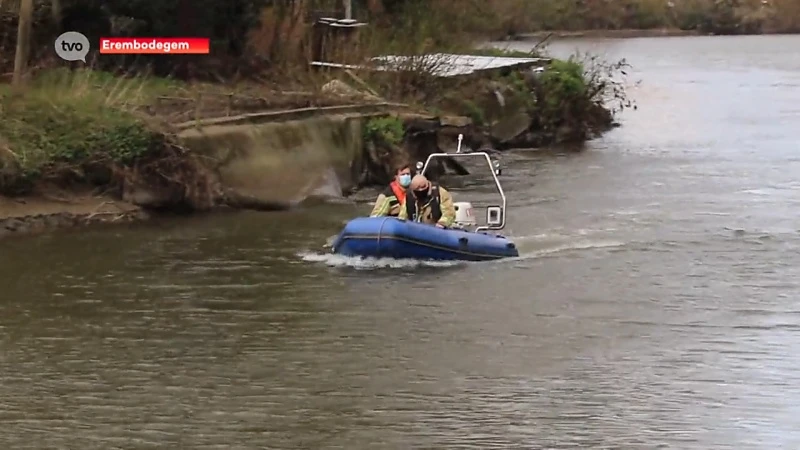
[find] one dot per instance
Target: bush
(385, 130)
(561, 85)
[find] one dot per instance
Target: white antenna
(460, 138)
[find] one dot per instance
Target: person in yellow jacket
(428, 203)
(389, 201)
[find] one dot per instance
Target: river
(653, 305)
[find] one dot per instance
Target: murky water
(655, 304)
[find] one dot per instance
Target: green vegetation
(386, 130)
(66, 122)
(472, 110)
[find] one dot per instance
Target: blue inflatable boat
(389, 237)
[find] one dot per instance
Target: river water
(654, 305)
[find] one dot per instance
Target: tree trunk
(55, 6)
(23, 42)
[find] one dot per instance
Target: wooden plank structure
(444, 65)
(336, 39)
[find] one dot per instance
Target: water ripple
(653, 306)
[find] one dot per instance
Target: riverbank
(636, 18)
(604, 34)
(620, 34)
(83, 147)
(40, 213)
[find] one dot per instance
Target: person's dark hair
(402, 166)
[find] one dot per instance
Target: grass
(63, 119)
(92, 129)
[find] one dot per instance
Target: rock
(338, 87)
(511, 126)
(424, 135)
(341, 89)
(455, 121)
(414, 125)
(528, 139)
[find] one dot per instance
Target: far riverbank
(602, 34)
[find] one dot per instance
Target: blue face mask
(405, 180)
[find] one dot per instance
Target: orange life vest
(398, 191)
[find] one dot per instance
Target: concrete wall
(268, 158)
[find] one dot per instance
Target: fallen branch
(361, 82)
(102, 213)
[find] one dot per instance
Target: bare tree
(23, 42)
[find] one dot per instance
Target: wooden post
(348, 9)
(23, 42)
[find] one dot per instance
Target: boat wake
(539, 249)
(355, 262)
(531, 247)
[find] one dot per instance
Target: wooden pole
(348, 9)
(23, 42)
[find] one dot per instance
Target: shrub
(387, 130)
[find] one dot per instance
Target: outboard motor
(465, 215)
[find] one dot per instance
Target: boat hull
(389, 237)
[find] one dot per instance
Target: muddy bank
(266, 162)
(42, 212)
